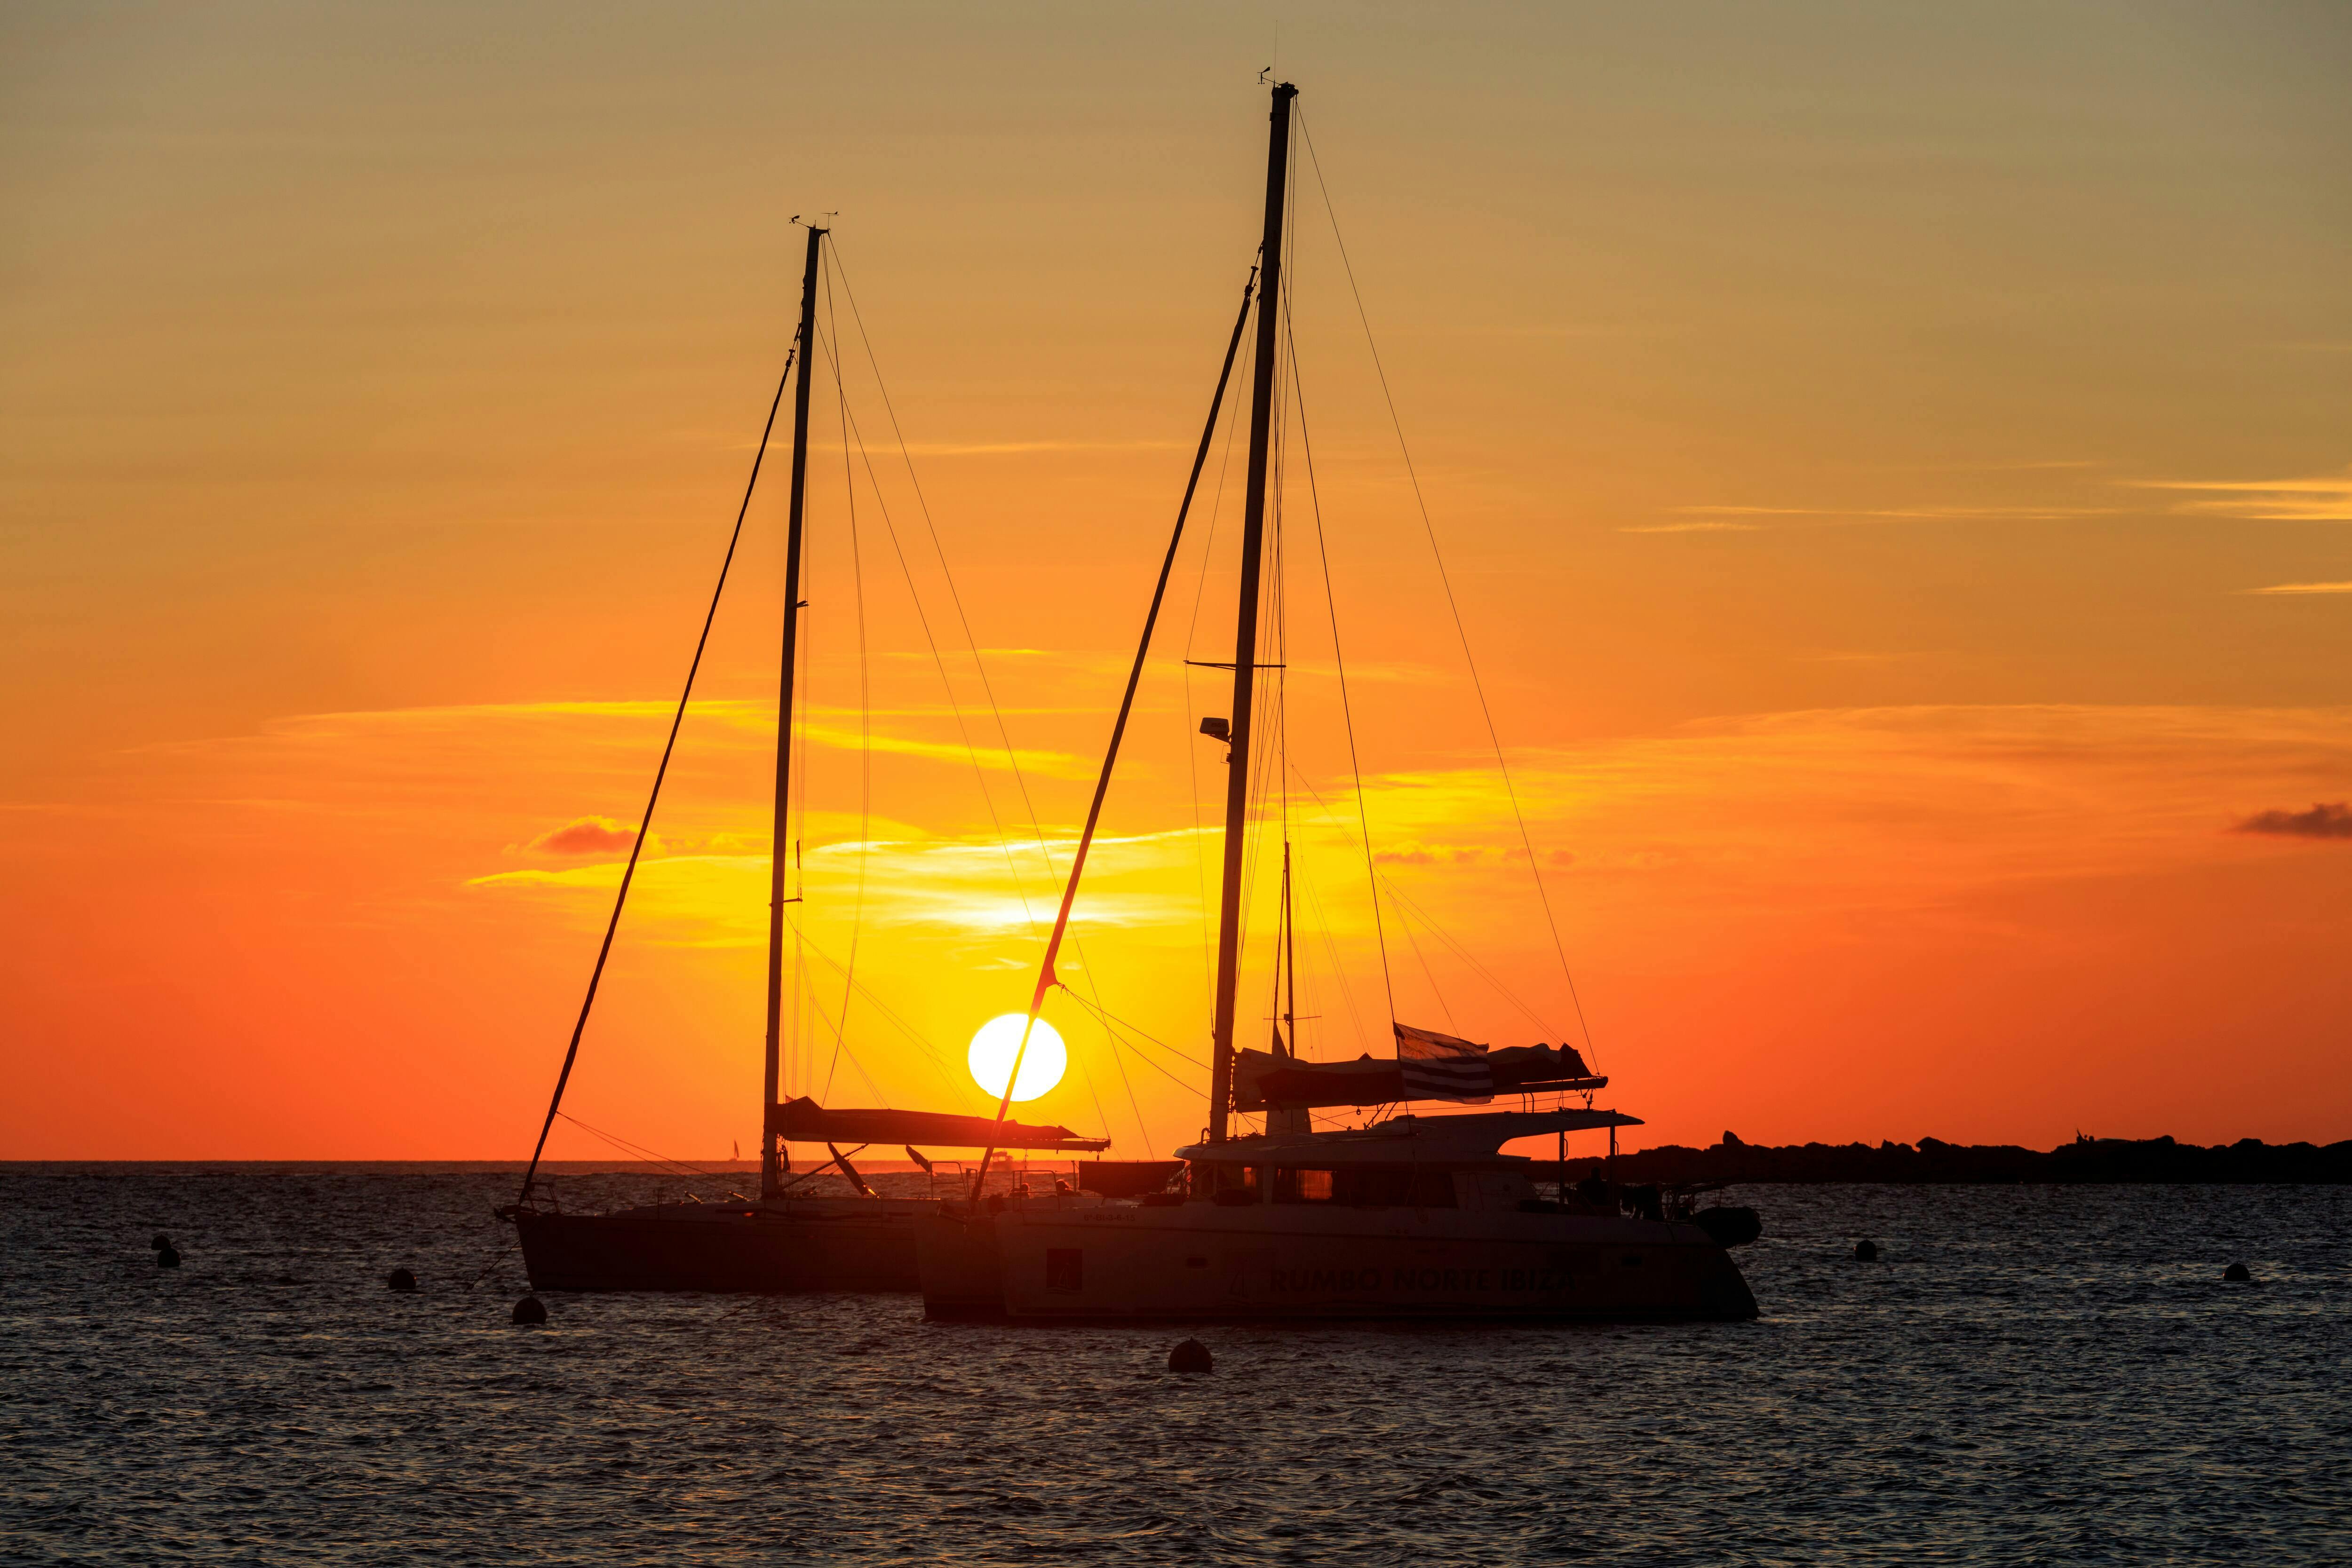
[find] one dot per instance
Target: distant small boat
(1411, 1217)
(780, 1240)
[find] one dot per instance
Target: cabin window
(1394, 1187)
(1303, 1187)
(1226, 1184)
(1235, 1185)
(1066, 1270)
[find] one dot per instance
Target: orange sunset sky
(1894, 463)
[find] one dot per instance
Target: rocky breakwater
(1933, 1160)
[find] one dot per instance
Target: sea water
(2027, 1374)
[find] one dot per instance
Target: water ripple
(2030, 1374)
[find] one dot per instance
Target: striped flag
(1440, 1067)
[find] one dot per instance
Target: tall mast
(772, 1155)
(1237, 760)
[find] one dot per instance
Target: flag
(1439, 1067)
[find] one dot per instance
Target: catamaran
(1412, 1214)
(787, 1238)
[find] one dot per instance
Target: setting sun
(992, 1049)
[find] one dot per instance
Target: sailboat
(786, 1237)
(1412, 1216)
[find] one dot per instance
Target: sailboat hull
(1201, 1260)
(848, 1244)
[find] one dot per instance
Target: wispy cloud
(585, 836)
(1051, 764)
(1936, 513)
(2299, 588)
(720, 900)
(1857, 656)
(1988, 465)
(1706, 528)
(1886, 808)
(1015, 448)
(2325, 820)
(754, 719)
(2321, 498)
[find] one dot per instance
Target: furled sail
(804, 1121)
(1262, 1078)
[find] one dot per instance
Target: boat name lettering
(1452, 1282)
(1327, 1281)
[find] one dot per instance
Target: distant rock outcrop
(1934, 1160)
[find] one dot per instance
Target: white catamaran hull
(1206, 1261)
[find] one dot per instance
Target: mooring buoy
(400, 1280)
(2238, 1273)
(529, 1309)
(1190, 1357)
(1865, 1252)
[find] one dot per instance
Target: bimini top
(1403, 1140)
(804, 1121)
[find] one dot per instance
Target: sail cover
(1262, 1078)
(804, 1121)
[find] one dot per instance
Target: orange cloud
(2321, 498)
(585, 836)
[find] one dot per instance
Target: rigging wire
(930, 641)
(1140, 1033)
(931, 1054)
(639, 1151)
(646, 822)
(1338, 975)
(1339, 660)
(1510, 791)
(1046, 978)
(964, 730)
(1407, 907)
(1266, 739)
(804, 1038)
(840, 1038)
(955, 597)
(979, 665)
(864, 699)
(1191, 753)
(1106, 1020)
